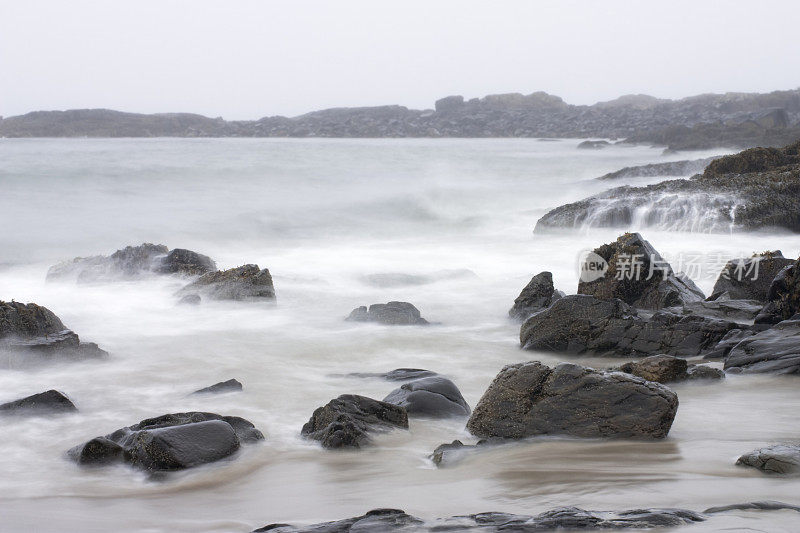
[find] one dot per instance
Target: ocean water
(323, 215)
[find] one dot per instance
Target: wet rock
(433, 397)
(731, 339)
(246, 282)
(766, 505)
(593, 145)
(671, 168)
(561, 518)
(660, 368)
(182, 261)
(538, 294)
(398, 374)
(779, 459)
(445, 453)
(579, 324)
(346, 421)
(49, 402)
(704, 372)
(232, 385)
(776, 350)
(750, 278)
(784, 293)
(723, 307)
(169, 442)
(639, 276)
(190, 299)
(35, 331)
(530, 399)
(391, 314)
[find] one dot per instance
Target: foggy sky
(249, 59)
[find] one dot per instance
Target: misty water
(323, 215)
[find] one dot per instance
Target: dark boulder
(529, 399)
(538, 294)
(375, 521)
(182, 261)
(169, 442)
(669, 369)
(704, 372)
(391, 314)
(33, 330)
(724, 308)
(775, 350)
(593, 145)
(750, 278)
(579, 324)
(435, 397)
(346, 421)
(639, 276)
(232, 385)
(246, 282)
(49, 402)
(784, 292)
(779, 459)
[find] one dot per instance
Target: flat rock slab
(530, 399)
(232, 385)
(49, 402)
(779, 459)
(347, 421)
(390, 314)
(776, 350)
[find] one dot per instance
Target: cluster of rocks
(756, 188)
(731, 119)
(247, 282)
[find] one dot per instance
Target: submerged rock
(33, 330)
(776, 350)
(594, 145)
(779, 459)
(246, 282)
(390, 314)
(538, 294)
(561, 518)
(530, 399)
(398, 374)
(346, 421)
(671, 168)
(750, 278)
(169, 442)
(399, 279)
(435, 397)
(48, 402)
(580, 324)
(639, 276)
(232, 385)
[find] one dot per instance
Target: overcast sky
(248, 59)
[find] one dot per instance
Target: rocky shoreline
(734, 120)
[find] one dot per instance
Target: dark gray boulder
(48, 402)
(390, 314)
(246, 282)
(169, 442)
(579, 324)
(750, 278)
(593, 145)
(433, 397)
(182, 261)
(775, 350)
(669, 369)
(639, 276)
(704, 372)
(35, 331)
(530, 399)
(538, 294)
(232, 385)
(779, 459)
(346, 421)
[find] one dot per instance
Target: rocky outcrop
(639, 276)
(169, 442)
(729, 195)
(779, 459)
(671, 168)
(232, 385)
(585, 325)
(131, 262)
(775, 350)
(731, 119)
(390, 314)
(724, 308)
(750, 278)
(784, 294)
(432, 397)
(562, 518)
(33, 330)
(593, 145)
(347, 421)
(48, 402)
(669, 369)
(538, 294)
(530, 399)
(247, 282)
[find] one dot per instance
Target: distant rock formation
(730, 119)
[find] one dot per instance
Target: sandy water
(322, 215)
